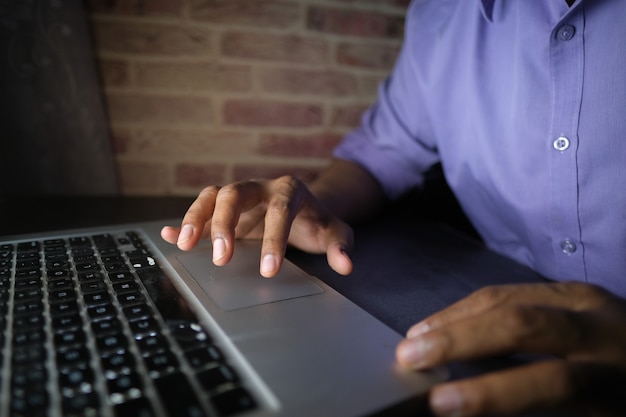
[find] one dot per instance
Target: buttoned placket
(566, 64)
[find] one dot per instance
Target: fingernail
(417, 330)
(415, 351)
(185, 233)
(447, 401)
(219, 248)
(268, 264)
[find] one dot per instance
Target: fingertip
(447, 400)
(219, 250)
(170, 234)
(340, 261)
(418, 329)
(185, 236)
(269, 265)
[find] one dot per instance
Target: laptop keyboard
(91, 326)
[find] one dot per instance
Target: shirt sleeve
(393, 141)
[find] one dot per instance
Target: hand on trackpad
(239, 284)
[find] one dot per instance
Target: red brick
(367, 56)
(120, 139)
(355, 22)
(183, 142)
(347, 116)
(114, 72)
(140, 177)
(274, 47)
(159, 109)
(401, 5)
(195, 175)
(244, 172)
(138, 37)
(192, 76)
(260, 13)
(313, 146)
(271, 113)
(293, 81)
(369, 85)
(135, 7)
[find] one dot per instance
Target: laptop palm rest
(238, 284)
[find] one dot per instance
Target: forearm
(348, 190)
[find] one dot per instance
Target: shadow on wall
(54, 137)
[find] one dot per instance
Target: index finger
(194, 225)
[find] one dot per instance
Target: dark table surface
(409, 262)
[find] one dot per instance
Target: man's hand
(279, 211)
(581, 327)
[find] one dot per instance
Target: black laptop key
(161, 363)
(28, 321)
(28, 264)
(145, 326)
(215, 377)
(139, 407)
(178, 396)
(234, 401)
(28, 294)
(130, 298)
(92, 286)
(120, 362)
(77, 379)
(62, 295)
(73, 357)
(97, 298)
(106, 326)
(138, 311)
(99, 312)
(69, 338)
(31, 401)
(80, 241)
(63, 283)
(29, 337)
(64, 307)
(32, 272)
(81, 404)
(189, 334)
(67, 322)
(150, 344)
(202, 356)
(124, 386)
(114, 342)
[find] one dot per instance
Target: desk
(407, 264)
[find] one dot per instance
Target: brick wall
(210, 91)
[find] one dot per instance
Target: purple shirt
(524, 104)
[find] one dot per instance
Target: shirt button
(566, 32)
(561, 143)
(568, 246)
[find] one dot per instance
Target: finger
(287, 198)
(339, 259)
(501, 331)
(230, 202)
(195, 219)
(170, 234)
(569, 295)
(541, 385)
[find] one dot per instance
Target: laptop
(115, 322)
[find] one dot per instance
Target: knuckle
(209, 191)
(521, 323)
(229, 191)
(490, 295)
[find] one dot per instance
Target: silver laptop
(116, 322)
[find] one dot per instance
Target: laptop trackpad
(239, 284)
